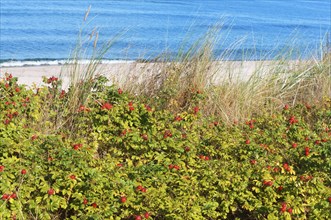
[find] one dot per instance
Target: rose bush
(117, 158)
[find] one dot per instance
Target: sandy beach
(120, 72)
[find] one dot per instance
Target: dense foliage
(116, 158)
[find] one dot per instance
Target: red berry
(2, 168)
(290, 210)
(248, 142)
(286, 167)
(206, 158)
(171, 166)
(23, 172)
(176, 167)
(120, 91)
(17, 89)
(51, 191)
(5, 197)
(329, 199)
(253, 162)
(13, 196)
(94, 205)
(307, 151)
(119, 165)
(280, 188)
(146, 215)
(196, 109)
(283, 209)
(73, 177)
(144, 136)
(107, 106)
(85, 201)
(201, 157)
(131, 108)
(143, 190)
(187, 149)
(294, 145)
(286, 107)
(123, 199)
(140, 187)
(138, 217)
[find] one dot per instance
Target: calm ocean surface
(35, 32)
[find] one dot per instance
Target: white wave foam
(54, 62)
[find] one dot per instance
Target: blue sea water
(38, 32)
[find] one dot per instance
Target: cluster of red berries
(138, 217)
(178, 118)
(267, 183)
(141, 189)
(131, 108)
(250, 123)
(107, 106)
(293, 120)
(9, 196)
(287, 167)
(167, 134)
(307, 151)
(172, 166)
(52, 79)
(202, 157)
(77, 146)
(284, 208)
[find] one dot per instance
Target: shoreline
(121, 71)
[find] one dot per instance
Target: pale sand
(120, 72)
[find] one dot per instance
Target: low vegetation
(117, 156)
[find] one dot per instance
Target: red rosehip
(17, 89)
(85, 201)
(119, 165)
(94, 205)
(51, 192)
(140, 187)
(123, 199)
(187, 149)
(107, 106)
(280, 188)
(178, 118)
(130, 104)
(286, 167)
(286, 107)
(131, 108)
(176, 167)
(138, 217)
(13, 196)
(206, 158)
(283, 208)
(290, 210)
(73, 177)
(253, 162)
(5, 196)
(143, 190)
(201, 157)
(307, 151)
(171, 166)
(294, 145)
(317, 142)
(144, 136)
(196, 109)
(23, 172)
(247, 141)
(146, 215)
(77, 146)
(2, 168)
(120, 91)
